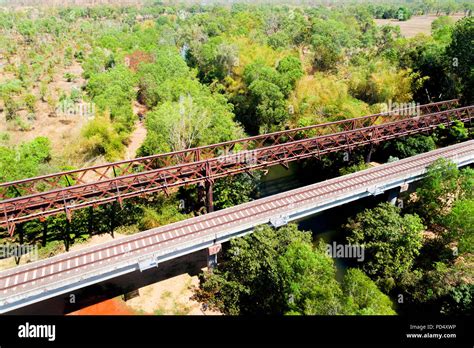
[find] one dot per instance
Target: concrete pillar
(212, 256)
(393, 195)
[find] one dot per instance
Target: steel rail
(305, 194)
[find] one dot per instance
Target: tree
(291, 71)
(308, 280)
(461, 56)
(409, 146)
(455, 133)
(363, 297)
(11, 108)
(190, 122)
(235, 190)
(273, 272)
(168, 65)
(214, 58)
(330, 38)
(390, 241)
(442, 185)
(460, 225)
(269, 103)
(29, 159)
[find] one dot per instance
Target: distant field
(415, 25)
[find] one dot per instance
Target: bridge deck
(63, 273)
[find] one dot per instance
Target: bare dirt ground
(139, 134)
(415, 25)
(168, 293)
(136, 140)
(61, 131)
(171, 296)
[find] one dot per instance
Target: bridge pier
(393, 195)
(212, 256)
(395, 192)
(45, 233)
(206, 195)
(209, 196)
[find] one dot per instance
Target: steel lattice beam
(43, 204)
(111, 170)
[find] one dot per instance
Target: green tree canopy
(391, 241)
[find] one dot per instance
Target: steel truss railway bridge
(40, 197)
(40, 280)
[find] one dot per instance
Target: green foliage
(403, 14)
(70, 77)
(248, 281)
(379, 82)
(391, 241)
(30, 102)
(329, 40)
(362, 295)
(461, 56)
(189, 123)
(409, 146)
(97, 62)
(102, 139)
(291, 71)
(280, 272)
(214, 58)
(235, 190)
(270, 105)
(443, 184)
(353, 168)
(460, 225)
(113, 91)
(156, 79)
(265, 107)
(165, 213)
(454, 133)
(26, 160)
(441, 28)
(308, 280)
(11, 108)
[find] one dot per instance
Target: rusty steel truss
(67, 199)
(108, 171)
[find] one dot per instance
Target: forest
(79, 84)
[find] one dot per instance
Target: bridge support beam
(209, 196)
(212, 256)
(45, 233)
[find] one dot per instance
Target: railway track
(60, 268)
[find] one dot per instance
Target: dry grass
(415, 25)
